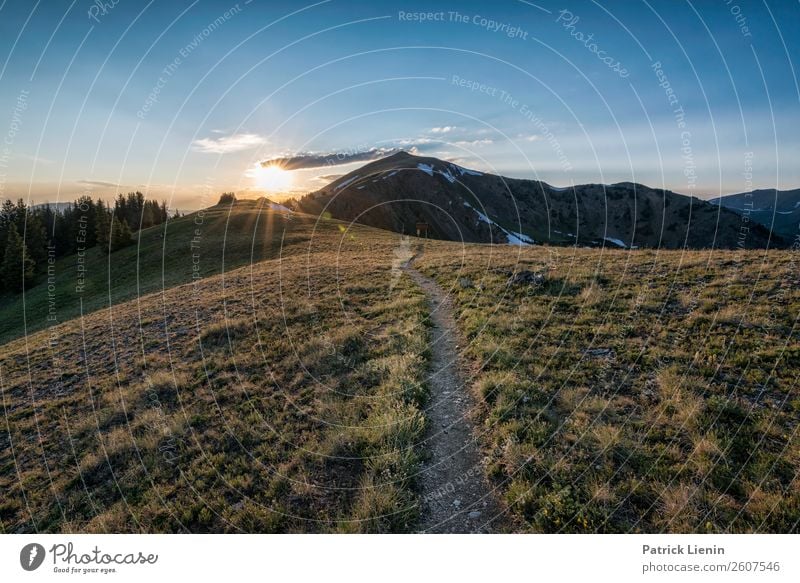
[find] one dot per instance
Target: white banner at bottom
(401, 558)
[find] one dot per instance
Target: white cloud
(229, 144)
(328, 177)
(443, 129)
(474, 143)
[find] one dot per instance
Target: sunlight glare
(271, 178)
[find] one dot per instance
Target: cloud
(443, 129)
(97, 183)
(328, 177)
(35, 159)
(229, 144)
(413, 144)
(309, 160)
(474, 143)
(306, 160)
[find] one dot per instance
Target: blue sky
(184, 99)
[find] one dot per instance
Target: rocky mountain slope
(775, 209)
(402, 191)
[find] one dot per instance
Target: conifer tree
(120, 234)
(17, 268)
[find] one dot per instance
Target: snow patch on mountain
(346, 182)
(450, 172)
(513, 238)
(446, 174)
(518, 238)
(461, 170)
(616, 242)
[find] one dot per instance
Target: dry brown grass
(284, 397)
(663, 389)
(624, 394)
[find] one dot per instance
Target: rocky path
(456, 495)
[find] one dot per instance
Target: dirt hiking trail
(456, 495)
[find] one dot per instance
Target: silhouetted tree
(81, 224)
(103, 225)
(35, 239)
(120, 234)
(227, 198)
(8, 212)
(147, 219)
(17, 267)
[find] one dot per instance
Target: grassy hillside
(618, 391)
(640, 391)
(164, 256)
(286, 399)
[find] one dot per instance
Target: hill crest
(401, 191)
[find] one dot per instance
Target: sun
(271, 178)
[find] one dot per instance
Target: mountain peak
(402, 154)
(401, 191)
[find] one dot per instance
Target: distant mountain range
(55, 206)
(775, 209)
(404, 193)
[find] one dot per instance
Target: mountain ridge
(402, 191)
(773, 208)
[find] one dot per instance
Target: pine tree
(48, 217)
(103, 225)
(61, 232)
(35, 240)
(121, 207)
(148, 218)
(29, 225)
(20, 214)
(227, 198)
(83, 227)
(120, 234)
(18, 268)
(7, 218)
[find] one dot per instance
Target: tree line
(30, 236)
